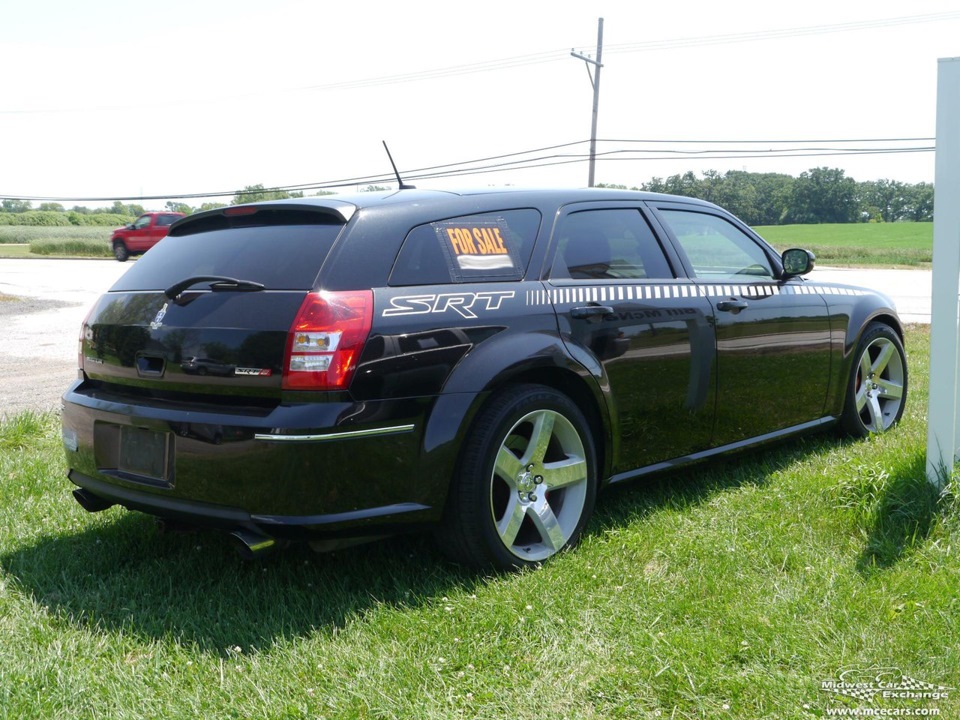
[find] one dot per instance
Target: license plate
(134, 453)
(143, 452)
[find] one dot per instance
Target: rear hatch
(209, 312)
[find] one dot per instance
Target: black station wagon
(341, 368)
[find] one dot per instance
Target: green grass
(73, 241)
(14, 251)
(72, 247)
(858, 244)
(729, 590)
(29, 234)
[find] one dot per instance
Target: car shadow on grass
(692, 485)
(895, 511)
(118, 573)
(121, 574)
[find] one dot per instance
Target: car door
(645, 333)
(158, 228)
(773, 335)
(138, 239)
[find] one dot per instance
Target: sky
(129, 99)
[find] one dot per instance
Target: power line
(509, 162)
(773, 142)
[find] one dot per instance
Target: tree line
(22, 212)
(819, 195)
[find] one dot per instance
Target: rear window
(282, 257)
(486, 247)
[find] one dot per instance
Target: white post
(942, 414)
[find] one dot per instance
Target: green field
(67, 241)
(729, 590)
(10, 250)
(858, 244)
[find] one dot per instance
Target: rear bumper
(190, 512)
(324, 468)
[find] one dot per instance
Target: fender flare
(536, 357)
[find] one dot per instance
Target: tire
(877, 389)
(526, 484)
(120, 252)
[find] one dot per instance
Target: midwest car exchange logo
(886, 683)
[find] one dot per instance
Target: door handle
(587, 311)
(732, 305)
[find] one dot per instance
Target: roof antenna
(403, 185)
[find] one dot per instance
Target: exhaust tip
(252, 545)
(90, 502)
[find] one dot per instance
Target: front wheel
(526, 484)
(877, 390)
(120, 252)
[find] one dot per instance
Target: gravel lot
(43, 303)
(35, 369)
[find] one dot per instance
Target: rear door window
(474, 248)
(614, 244)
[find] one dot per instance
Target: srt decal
(259, 372)
(463, 303)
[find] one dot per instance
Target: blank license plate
(143, 452)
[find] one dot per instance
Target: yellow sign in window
(476, 246)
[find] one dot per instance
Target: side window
(141, 222)
(716, 248)
(608, 244)
(164, 220)
(474, 248)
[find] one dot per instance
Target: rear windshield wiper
(217, 282)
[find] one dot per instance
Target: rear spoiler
(337, 210)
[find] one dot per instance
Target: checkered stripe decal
(610, 293)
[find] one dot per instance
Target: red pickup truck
(142, 234)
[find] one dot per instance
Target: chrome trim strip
(346, 435)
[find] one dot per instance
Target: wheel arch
(453, 414)
(858, 325)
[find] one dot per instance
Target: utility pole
(595, 81)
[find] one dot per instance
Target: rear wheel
(877, 390)
(526, 484)
(120, 252)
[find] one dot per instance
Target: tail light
(326, 339)
(86, 333)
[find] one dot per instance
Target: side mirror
(797, 261)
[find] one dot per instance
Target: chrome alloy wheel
(879, 389)
(539, 485)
